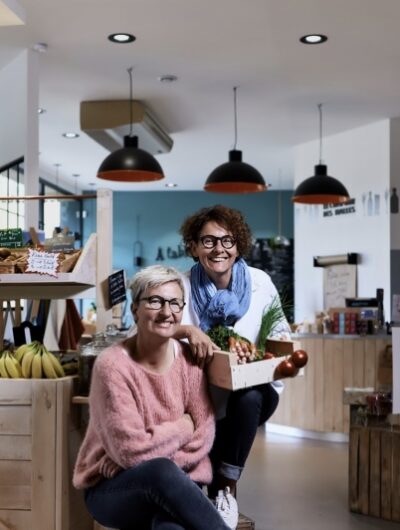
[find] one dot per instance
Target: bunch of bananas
(9, 366)
(32, 360)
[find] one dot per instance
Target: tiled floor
(298, 484)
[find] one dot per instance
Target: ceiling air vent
(107, 122)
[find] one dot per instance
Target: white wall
(395, 216)
(360, 159)
(395, 179)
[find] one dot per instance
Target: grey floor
(300, 484)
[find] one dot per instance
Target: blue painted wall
(160, 215)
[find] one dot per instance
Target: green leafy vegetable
(273, 316)
(220, 336)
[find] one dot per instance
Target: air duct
(107, 122)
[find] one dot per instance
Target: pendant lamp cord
(320, 132)
(279, 206)
(235, 115)
(129, 70)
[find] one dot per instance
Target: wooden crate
(39, 439)
(225, 372)
(374, 471)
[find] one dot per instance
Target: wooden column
(104, 256)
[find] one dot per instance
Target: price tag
(43, 262)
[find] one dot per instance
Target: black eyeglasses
(211, 241)
(157, 302)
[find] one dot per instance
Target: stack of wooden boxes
(39, 439)
(374, 471)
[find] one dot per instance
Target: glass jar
(87, 357)
(113, 334)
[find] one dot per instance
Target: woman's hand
(189, 418)
(200, 343)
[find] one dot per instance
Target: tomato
(299, 358)
(286, 369)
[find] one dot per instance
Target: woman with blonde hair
(151, 426)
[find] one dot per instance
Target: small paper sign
(42, 262)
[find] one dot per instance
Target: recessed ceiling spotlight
(168, 78)
(121, 38)
(70, 135)
(41, 111)
(171, 185)
(75, 174)
(313, 38)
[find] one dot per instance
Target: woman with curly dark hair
(223, 290)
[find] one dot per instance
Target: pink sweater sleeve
(119, 425)
(200, 408)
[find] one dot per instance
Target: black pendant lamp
(235, 176)
(130, 164)
(320, 188)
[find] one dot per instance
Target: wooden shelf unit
(40, 430)
(31, 286)
(65, 285)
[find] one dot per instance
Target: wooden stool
(245, 523)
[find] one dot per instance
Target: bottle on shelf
(381, 313)
(394, 201)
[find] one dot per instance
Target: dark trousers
(247, 409)
(154, 495)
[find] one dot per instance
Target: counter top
(375, 336)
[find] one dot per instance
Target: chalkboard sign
(11, 238)
(278, 262)
(116, 288)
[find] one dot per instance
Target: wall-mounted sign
(330, 210)
(11, 238)
(43, 262)
(116, 288)
(340, 282)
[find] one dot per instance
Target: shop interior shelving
(64, 285)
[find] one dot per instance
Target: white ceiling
(211, 45)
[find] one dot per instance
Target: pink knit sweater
(136, 415)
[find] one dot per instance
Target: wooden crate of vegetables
(240, 364)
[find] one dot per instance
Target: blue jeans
(247, 409)
(154, 495)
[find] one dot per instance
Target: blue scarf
(220, 306)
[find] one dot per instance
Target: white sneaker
(227, 508)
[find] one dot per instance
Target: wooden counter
(315, 401)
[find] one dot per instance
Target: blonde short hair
(153, 276)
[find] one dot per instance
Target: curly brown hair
(232, 220)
